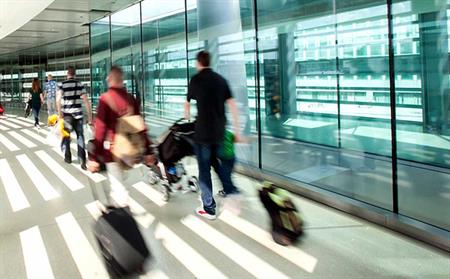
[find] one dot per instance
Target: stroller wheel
(193, 184)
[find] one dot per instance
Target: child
(227, 160)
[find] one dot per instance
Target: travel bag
(286, 221)
(121, 243)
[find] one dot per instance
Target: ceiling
(62, 19)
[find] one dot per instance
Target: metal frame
(258, 84)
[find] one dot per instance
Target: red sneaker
(201, 212)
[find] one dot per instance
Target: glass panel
(364, 90)
(164, 62)
(126, 46)
(301, 81)
(100, 57)
(225, 28)
(421, 36)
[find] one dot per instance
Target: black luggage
(123, 248)
(28, 108)
(286, 222)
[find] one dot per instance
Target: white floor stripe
(34, 136)
(26, 119)
(71, 182)
(187, 256)
(232, 250)
(35, 255)
(87, 261)
(152, 194)
(292, 254)
(3, 128)
(142, 216)
(6, 142)
(15, 194)
(21, 123)
(42, 185)
(12, 125)
(22, 139)
(96, 177)
(154, 274)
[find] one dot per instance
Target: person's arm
(187, 110)
(189, 97)
(58, 102)
(232, 106)
(88, 107)
(42, 97)
(99, 137)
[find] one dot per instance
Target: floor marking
(12, 125)
(6, 142)
(22, 139)
(42, 185)
(186, 255)
(154, 274)
(142, 216)
(16, 196)
(96, 177)
(34, 136)
(22, 123)
(35, 256)
(152, 194)
(290, 253)
(87, 261)
(3, 128)
(235, 252)
(71, 182)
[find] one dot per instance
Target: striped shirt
(72, 90)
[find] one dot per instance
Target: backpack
(129, 144)
(286, 222)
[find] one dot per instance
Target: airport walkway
(47, 210)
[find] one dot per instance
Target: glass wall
(313, 84)
(421, 48)
(100, 45)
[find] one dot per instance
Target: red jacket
(106, 121)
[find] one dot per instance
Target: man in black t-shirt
(211, 91)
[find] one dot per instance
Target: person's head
(35, 86)
(203, 60)
(115, 77)
(49, 77)
(70, 72)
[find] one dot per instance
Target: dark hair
(70, 71)
(203, 58)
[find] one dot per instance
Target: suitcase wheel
(193, 184)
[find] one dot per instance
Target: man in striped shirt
(71, 94)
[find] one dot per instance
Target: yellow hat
(52, 119)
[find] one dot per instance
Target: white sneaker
(201, 212)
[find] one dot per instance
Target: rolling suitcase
(121, 243)
(123, 248)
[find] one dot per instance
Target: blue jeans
(36, 114)
(207, 157)
(73, 124)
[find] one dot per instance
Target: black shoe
(83, 166)
(222, 193)
(68, 161)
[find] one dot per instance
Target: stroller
(175, 144)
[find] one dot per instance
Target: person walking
(114, 104)
(72, 94)
(37, 99)
(211, 91)
(50, 95)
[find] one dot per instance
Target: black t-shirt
(36, 98)
(210, 90)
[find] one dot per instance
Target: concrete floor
(45, 228)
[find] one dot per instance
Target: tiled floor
(46, 215)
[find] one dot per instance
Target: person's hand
(61, 116)
(150, 160)
(93, 166)
(237, 138)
